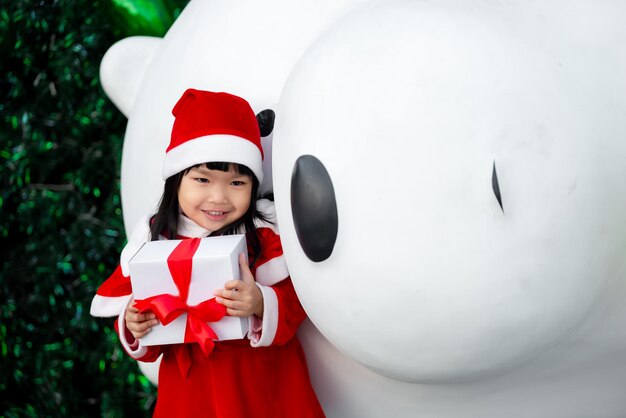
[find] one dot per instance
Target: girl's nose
(217, 194)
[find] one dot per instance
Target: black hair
(165, 222)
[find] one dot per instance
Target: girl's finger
(246, 274)
(229, 294)
(230, 304)
(141, 317)
(236, 313)
(232, 284)
(141, 326)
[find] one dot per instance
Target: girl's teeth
(210, 212)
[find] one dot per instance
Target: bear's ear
(265, 119)
(124, 66)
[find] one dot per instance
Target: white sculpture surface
(438, 300)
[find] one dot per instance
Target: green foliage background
(60, 217)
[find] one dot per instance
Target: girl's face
(214, 199)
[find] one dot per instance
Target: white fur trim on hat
(210, 148)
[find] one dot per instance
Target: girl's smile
(214, 199)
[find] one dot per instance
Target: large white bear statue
(450, 184)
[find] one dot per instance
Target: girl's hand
(139, 324)
(242, 298)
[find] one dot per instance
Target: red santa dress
(263, 375)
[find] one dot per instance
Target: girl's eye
(202, 180)
(238, 183)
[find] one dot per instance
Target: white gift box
(215, 261)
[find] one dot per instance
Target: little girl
(212, 172)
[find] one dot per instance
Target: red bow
(169, 307)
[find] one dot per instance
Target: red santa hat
(212, 127)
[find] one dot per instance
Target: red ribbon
(169, 307)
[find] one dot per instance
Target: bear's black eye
(495, 186)
(314, 208)
(265, 119)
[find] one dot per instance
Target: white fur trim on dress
(108, 306)
(137, 352)
(272, 272)
(190, 229)
(219, 147)
(264, 336)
